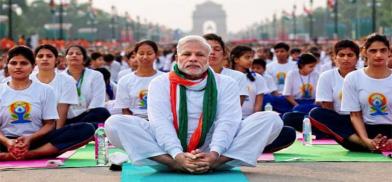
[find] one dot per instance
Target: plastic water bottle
(307, 132)
(101, 146)
(268, 107)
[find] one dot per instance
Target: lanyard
(79, 83)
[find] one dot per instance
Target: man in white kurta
(229, 142)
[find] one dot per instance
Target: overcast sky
(178, 13)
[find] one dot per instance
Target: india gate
(209, 17)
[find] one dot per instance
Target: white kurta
(229, 135)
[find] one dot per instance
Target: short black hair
(376, 38)
(108, 58)
(130, 54)
(343, 44)
(295, 50)
(95, 55)
(282, 45)
(151, 43)
(216, 38)
(21, 51)
(305, 59)
(105, 73)
(315, 52)
(48, 47)
(260, 62)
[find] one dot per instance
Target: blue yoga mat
(147, 174)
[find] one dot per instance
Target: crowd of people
(198, 107)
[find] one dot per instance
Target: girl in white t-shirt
(132, 89)
(28, 113)
(241, 58)
(300, 85)
(367, 95)
(62, 84)
(90, 88)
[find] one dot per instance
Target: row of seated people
(39, 120)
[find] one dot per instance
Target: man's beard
(193, 74)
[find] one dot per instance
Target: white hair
(193, 38)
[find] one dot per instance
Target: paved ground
(326, 171)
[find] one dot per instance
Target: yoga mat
(148, 174)
(321, 141)
(319, 153)
(37, 163)
(266, 157)
(85, 157)
(387, 154)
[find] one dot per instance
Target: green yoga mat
(84, 157)
(323, 153)
(147, 174)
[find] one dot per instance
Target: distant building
(209, 17)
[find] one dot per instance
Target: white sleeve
(261, 85)
(69, 94)
(324, 89)
(122, 97)
(243, 85)
(228, 118)
(350, 99)
(49, 105)
(288, 85)
(161, 117)
(98, 92)
(270, 83)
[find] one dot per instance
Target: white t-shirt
(329, 89)
(279, 71)
(22, 111)
(255, 88)
(114, 69)
(2, 75)
(124, 72)
(239, 77)
(299, 86)
(93, 92)
(132, 91)
(270, 83)
(327, 66)
(64, 87)
(371, 96)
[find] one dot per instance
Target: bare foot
(387, 146)
(6, 157)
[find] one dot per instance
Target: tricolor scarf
(207, 117)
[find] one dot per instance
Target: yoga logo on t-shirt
(20, 112)
(306, 90)
(142, 99)
(340, 95)
(378, 104)
(280, 76)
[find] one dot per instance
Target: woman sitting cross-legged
(28, 115)
(90, 88)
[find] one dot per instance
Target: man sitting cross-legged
(194, 119)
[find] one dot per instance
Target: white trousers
(135, 136)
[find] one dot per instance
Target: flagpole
(294, 23)
(336, 29)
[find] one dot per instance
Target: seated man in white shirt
(194, 119)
